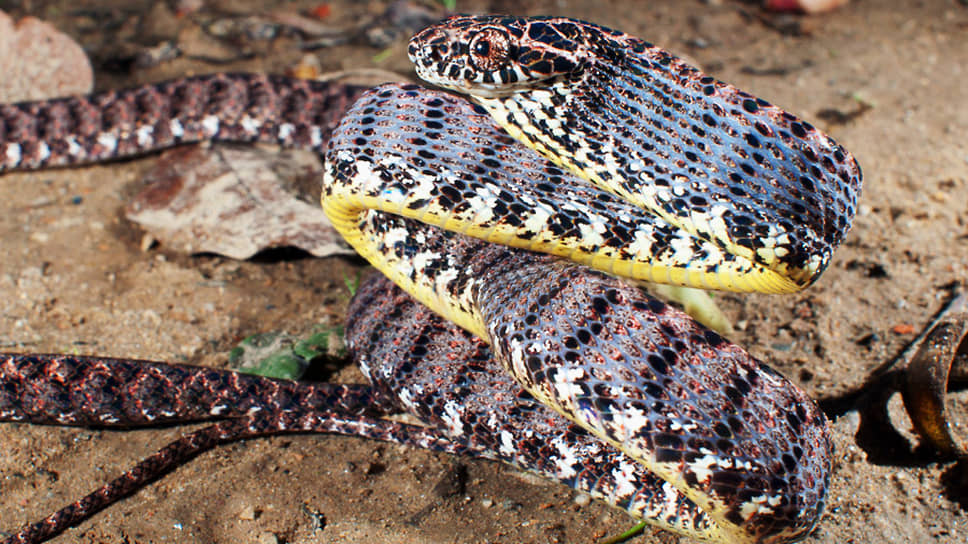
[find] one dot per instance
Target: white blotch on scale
(14, 154)
(760, 504)
(144, 135)
(285, 131)
(452, 418)
(210, 125)
(249, 125)
(703, 467)
(508, 447)
(176, 129)
(566, 459)
(74, 149)
(624, 479)
(108, 141)
(43, 151)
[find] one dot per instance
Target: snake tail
(106, 392)
(124, 393)
(131, 122)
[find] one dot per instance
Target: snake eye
(489, 49)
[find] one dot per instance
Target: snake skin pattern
(458, 175)
(115, 124)
(126, 393)
(704, 409)
(709, 159)
(106, 392)
(766, 484)
(753, 200)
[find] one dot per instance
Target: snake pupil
(482, 48)
(489, 50)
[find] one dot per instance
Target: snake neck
(460, 175)
(707, 158)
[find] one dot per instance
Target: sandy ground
(886, 79)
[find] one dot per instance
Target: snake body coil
(736, 452)
(716, 163)
(734, 437)
(692, 182)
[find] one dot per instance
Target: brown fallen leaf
(37, 61)
(941, 356)
(236, 202)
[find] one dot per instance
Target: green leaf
(282, 355)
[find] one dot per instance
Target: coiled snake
(692, 182)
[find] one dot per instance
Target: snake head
(493, 56)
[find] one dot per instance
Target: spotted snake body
(744, 453)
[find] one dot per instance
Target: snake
(588, 155)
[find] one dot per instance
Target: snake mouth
(457, 75)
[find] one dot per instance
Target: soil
(888, 80)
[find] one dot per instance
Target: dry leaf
(236, 202)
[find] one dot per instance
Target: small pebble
(268, 538)
(247, 513)
(903, 328)
(583, 499)
(487, 503)
(147, 242)
(852, 420)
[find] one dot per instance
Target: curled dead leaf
(941, 357)
(236, 202)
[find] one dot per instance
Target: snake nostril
(430, 52)
(437, 52)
